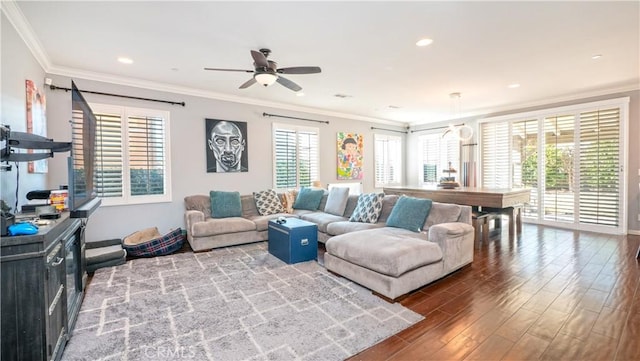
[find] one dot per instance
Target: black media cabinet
(43, 281)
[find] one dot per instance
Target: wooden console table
(507, 201)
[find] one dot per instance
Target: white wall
(18, 65)
(188, 151)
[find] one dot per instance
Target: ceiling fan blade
(248, 83)
(300, 70)
(259, 59)
(289, 84)
(218, 69)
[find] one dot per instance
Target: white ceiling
(366, 50)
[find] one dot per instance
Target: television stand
(43, 281)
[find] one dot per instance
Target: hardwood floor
(551, 294)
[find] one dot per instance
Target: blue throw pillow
(308, 199)
(225, 204)
(409, 213)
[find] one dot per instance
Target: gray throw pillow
(409, 213)
(368, 208)
(225, 204)
(267, 202)
(337, 201)
(309, 199)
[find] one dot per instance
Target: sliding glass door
(558, 168)
(600, 167)
(524, 160)
(572, 159)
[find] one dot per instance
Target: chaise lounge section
(394, 262)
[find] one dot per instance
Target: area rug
(234, 303)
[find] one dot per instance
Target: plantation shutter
(388, 160)
(146, 155)
(296, 152)
(495, 154)
(109, 157)
(132, 166)
(308, 157)
(452, 155)
(437, 152)
(430, 149)
(286, 154)
(559, 177)
(570, 157)
(599, 199)
(380, 150)
(524, 158)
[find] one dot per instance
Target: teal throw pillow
(409, 213)
(225, 204)
(308, 198)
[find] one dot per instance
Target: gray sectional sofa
(388, 260)
(205, 232)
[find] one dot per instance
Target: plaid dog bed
(160, 246)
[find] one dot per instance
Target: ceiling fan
(266, 72)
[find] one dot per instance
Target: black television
(81, 164)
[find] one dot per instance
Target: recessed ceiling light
(393, 107)
(513, 86)
(597, 56)
(424, 42)
(300, 94)
(125, 60)
(342, 95)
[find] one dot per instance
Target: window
(524, 158)
(570, 157)
(437, 153)
(495, 158)
(388, 159)
(558, 164)
(132, 148)
(599, 167)
(295, 156)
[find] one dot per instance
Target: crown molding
(619, 88)
(25, 31)
(170, 88)
(518, 107)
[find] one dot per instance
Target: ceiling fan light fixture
(266, 79)
(266, 72)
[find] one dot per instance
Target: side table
(293, 240)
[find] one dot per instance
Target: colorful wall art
(350, 155)
(36, 122)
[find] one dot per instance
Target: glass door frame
(575, 109)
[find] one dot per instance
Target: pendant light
(461, 131)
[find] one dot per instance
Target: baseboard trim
(634, 231)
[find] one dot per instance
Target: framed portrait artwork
(349, 155)
(36, 122)
(226, 146)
